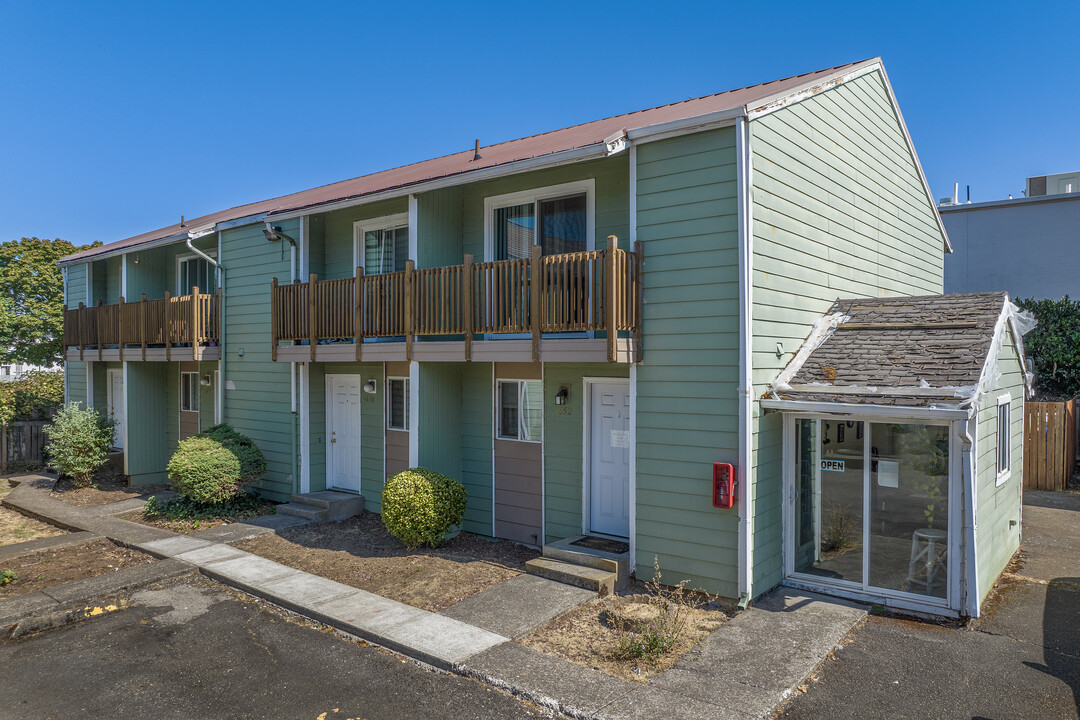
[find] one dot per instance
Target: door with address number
(609, 463)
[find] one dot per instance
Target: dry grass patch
(635, 635)
(47, 568)
(361, 553)
(17, 528)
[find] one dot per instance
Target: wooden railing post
(80, 320)
(275, 331)
(358, 311)
(196, 325)
(97, 327)
(312, 339)
(639, 300)
(142, 325)
(167, 313)
(409, 267)
(467, 285)
(534, 300)
(120, 327)
(610, 278)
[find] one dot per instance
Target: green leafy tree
(32, 299)
(1054, 345)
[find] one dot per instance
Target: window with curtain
(385, 250)
(558, 225)
(521, 410)
(195, 272)
(397, 404)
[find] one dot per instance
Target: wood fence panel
(22, 443)
(1049, 444)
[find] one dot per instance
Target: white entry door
(609, 462)
(343, 432)
(116, 405)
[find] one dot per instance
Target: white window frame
(499, 382)
(195, 379)
(181, 259)
(385, 222)
(1003, 474)
(535, 196)
(389, 402)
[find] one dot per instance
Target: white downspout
(220, 398)
(744, 184)
(971, 550)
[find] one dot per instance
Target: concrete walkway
(743, 670)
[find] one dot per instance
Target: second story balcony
(583, 306)
(185, 327)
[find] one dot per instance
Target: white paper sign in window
(620, 438)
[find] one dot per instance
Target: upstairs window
(520, 410)
(397, 404)
(558, 219)
(194, 272)
(1004, 438)
(382, 245)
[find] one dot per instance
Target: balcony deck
(168, 329)
(574, 307)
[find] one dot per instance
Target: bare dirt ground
(361, 553)
(46, 568)
(106, 488)
(583, 636)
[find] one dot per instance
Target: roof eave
(818, 407)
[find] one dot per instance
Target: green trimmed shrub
(215, 466)
(79, 441)
(419, 506)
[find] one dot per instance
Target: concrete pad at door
(248, 570)
(172, 546)
(215, 552)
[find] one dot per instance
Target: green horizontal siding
(839, 211)
(687, 408)
(998, 506)
(564, 427)
(333, 257)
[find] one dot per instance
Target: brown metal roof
(462, 163)
(895, 345)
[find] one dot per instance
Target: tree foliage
(32, 300)
(1054, 345)
(34, 396)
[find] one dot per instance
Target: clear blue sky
(117, 117)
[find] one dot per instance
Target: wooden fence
(599, 290)
(1049, 444)
(185, 320)
(21, 443)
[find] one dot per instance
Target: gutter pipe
(220, 399)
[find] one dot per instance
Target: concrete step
(590, 578)
(324, 506)
(307, 512)
(563, 551)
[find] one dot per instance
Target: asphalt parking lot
(197, 650)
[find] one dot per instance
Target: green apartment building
(579, 326)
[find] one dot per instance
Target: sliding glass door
(869, 506)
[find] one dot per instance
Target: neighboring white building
(1039, 235)
(15, 370)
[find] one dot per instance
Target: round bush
(419, 506)
(252, 462)
(205, 471)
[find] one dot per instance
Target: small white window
(1004, 438)
(521, 410)
(194, 272)
(397, 404)
(189, 391)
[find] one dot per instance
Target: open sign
(828, 465)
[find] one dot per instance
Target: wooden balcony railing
(188, 320)
(598, 290)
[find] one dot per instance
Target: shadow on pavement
(1060, 615)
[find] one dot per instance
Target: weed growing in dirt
(7, 576)
(666, 629)
(180, 508)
